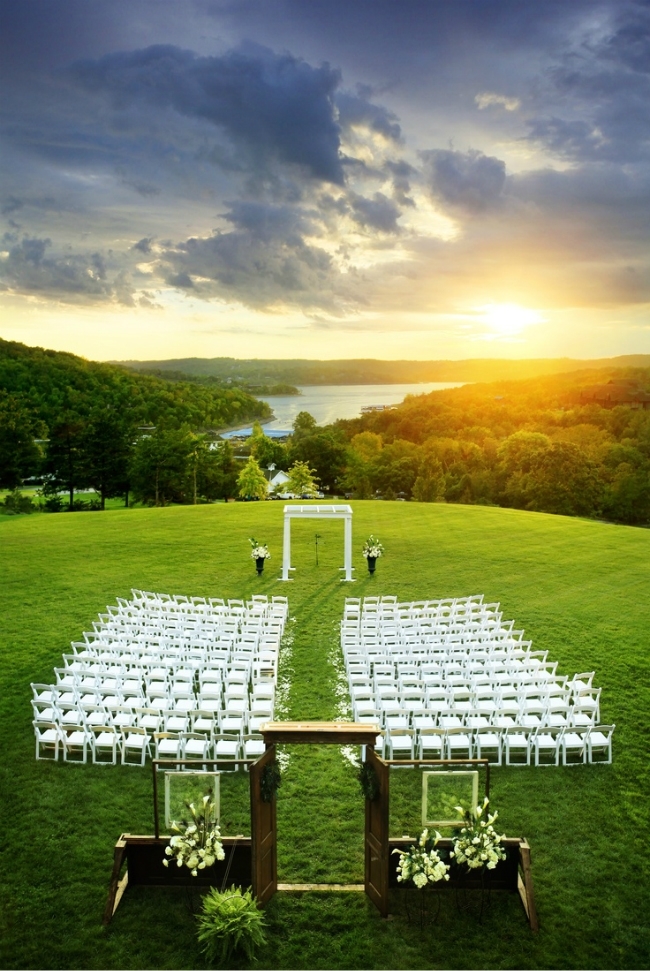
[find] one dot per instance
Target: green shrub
(16, 502)
(230, 922)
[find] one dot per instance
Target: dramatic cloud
(469, 181)
(72, 277)
(267, 102)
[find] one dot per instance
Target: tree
(216, 472)
(251, 481)
(303, 424)
(65, 465)
(325, 453)
(106, 443)
(565, 481)
(302, 481)
(430, 483)
(20, 455)
(160, 466)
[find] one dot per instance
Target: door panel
(376, 837)
(263, 833)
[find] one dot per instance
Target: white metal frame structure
(318, 512)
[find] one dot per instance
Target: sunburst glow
(508, 319)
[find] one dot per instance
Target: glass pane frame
(204, 782)
(457, 780)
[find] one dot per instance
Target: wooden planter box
(144, 857)
(511, 874)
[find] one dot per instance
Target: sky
(397, 179)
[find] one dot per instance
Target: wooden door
(376, 837)
(263, 833)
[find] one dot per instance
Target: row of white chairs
(133, 745)
(235, 718)
(528, 716)
(509, 746)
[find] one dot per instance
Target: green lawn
(580, 590)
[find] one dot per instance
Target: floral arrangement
(421, 863)
(478, 845)
(197, 844)
(372, 548)
(260, 551)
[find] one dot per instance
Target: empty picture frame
(189, 787)
(444, 790)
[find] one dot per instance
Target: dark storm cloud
(270, 103)
(379, 213)
(263, 262)
(470, 181)
(70, 277)
(356, 110)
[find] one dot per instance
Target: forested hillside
(257, 373)
(53, 381)
(82, 424)
(576, 444)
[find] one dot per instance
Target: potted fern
(230, 923)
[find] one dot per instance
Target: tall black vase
(372, 562)
(259, 563)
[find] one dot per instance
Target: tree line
(80, 425)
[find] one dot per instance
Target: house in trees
(616, 393)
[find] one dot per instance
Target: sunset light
(508, 319)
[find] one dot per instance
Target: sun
(507, 319)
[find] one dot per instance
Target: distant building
(616, 393)
(277, 481)
(368, 409)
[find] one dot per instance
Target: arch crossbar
(318, 512)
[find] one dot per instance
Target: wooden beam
(322, 887)
(320, 733)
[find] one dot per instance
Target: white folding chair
(573, 745)
(599, 743)
(48, 739)
(546, 746)
(76, 742)
(104, 742)
(135, 742)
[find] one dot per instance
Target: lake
(329, 402)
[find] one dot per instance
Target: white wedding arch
(318, 512)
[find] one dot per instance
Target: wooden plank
(118, 859)
(322, 887)
(525, 887)
(320, 733)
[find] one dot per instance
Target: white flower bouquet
(478, 845)
(372, 548)
(421, 863)
(260, 551)
(196, 845)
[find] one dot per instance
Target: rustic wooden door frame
(264, 834)
(376, 836)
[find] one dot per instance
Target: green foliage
(302, 480)
(49, 382)
(543, 445)
(251, 481)
(303, 424)
(20, 455)
(230, 923)
(270, 781)
(15, 502)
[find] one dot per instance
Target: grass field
(578, 588)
